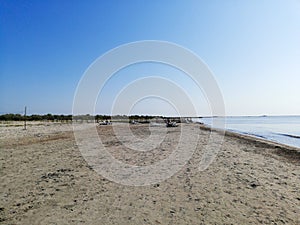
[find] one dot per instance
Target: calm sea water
(281, 129)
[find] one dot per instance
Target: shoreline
(279, 129)
(290, 152)
(250, 138)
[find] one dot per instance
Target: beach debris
(172, 211)
(106, 122)
(133, 122)
(58, 174)
(170, 123)
(254, 184)
(69, 206)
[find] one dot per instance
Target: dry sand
(45, 180)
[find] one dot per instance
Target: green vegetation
(85, 118)
(35, 117)
(66, 118)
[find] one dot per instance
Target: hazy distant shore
(45, 180)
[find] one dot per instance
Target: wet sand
(45, 180)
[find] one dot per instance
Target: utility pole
(25, 118)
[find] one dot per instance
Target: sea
(280, 129)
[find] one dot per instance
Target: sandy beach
(46, 181)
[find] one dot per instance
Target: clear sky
(252, 47)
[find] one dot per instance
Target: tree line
(56, 118)
(35, 117)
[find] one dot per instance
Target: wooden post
(25, 118)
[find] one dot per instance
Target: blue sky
(252, 47)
